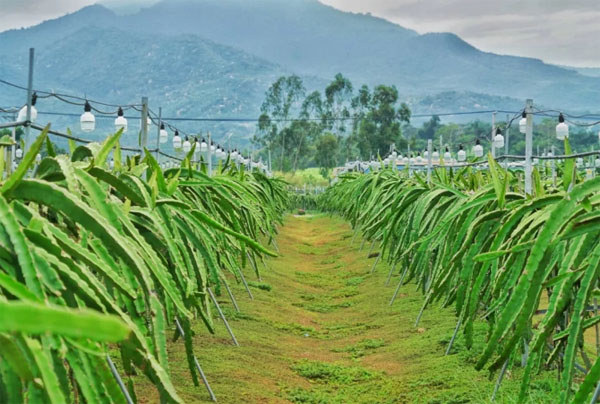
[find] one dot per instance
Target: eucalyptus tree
(281, 99)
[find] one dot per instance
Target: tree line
(327, 128)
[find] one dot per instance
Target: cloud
(556, 31)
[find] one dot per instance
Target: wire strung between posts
(583, 116)
(45, 94)
(114, 112)
(65, 98)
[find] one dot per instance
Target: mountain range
(217, 58)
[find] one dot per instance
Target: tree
(380, 126)
(429, 128)
(327, 146)
(280, 99)
(338, 97)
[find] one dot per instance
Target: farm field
(321, 331)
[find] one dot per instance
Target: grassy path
(325, 333)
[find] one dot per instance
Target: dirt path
(325, 333)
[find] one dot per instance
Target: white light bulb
(203, 146)
(498, 141)
(462, 155)
(87, 120)
(19, 153)
(478, 150)
(562, 129)
(177, 141)
(523, 125)
(163, 135)
(121, 121)
(23, 114)
(187, 146)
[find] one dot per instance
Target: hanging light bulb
(579, 162)
(112, 164)
(426, 154)
(562, 129)
(203, 146)
(394, 154)
(38, 158)
(419, 159)
(121, 121)
(447, 155)
(197, 148)
(87, 120)
(412, 159)
(33, 112)
(19, 152)
(163, 134)
(212, 146)
(176, 140)
(234, 154)
(597, 162)
(498, 139)
(523, 123)
(462, 155)
(187, 146)
(435, 155)
(478, 148)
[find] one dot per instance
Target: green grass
(260, 285)
(324, 335)
(361, 348)
(333, 373)
(308, 176)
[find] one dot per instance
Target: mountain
(185, 75)
(311, 38)
(216, 58)
(586, 71)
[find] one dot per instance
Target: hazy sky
(557, 31)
